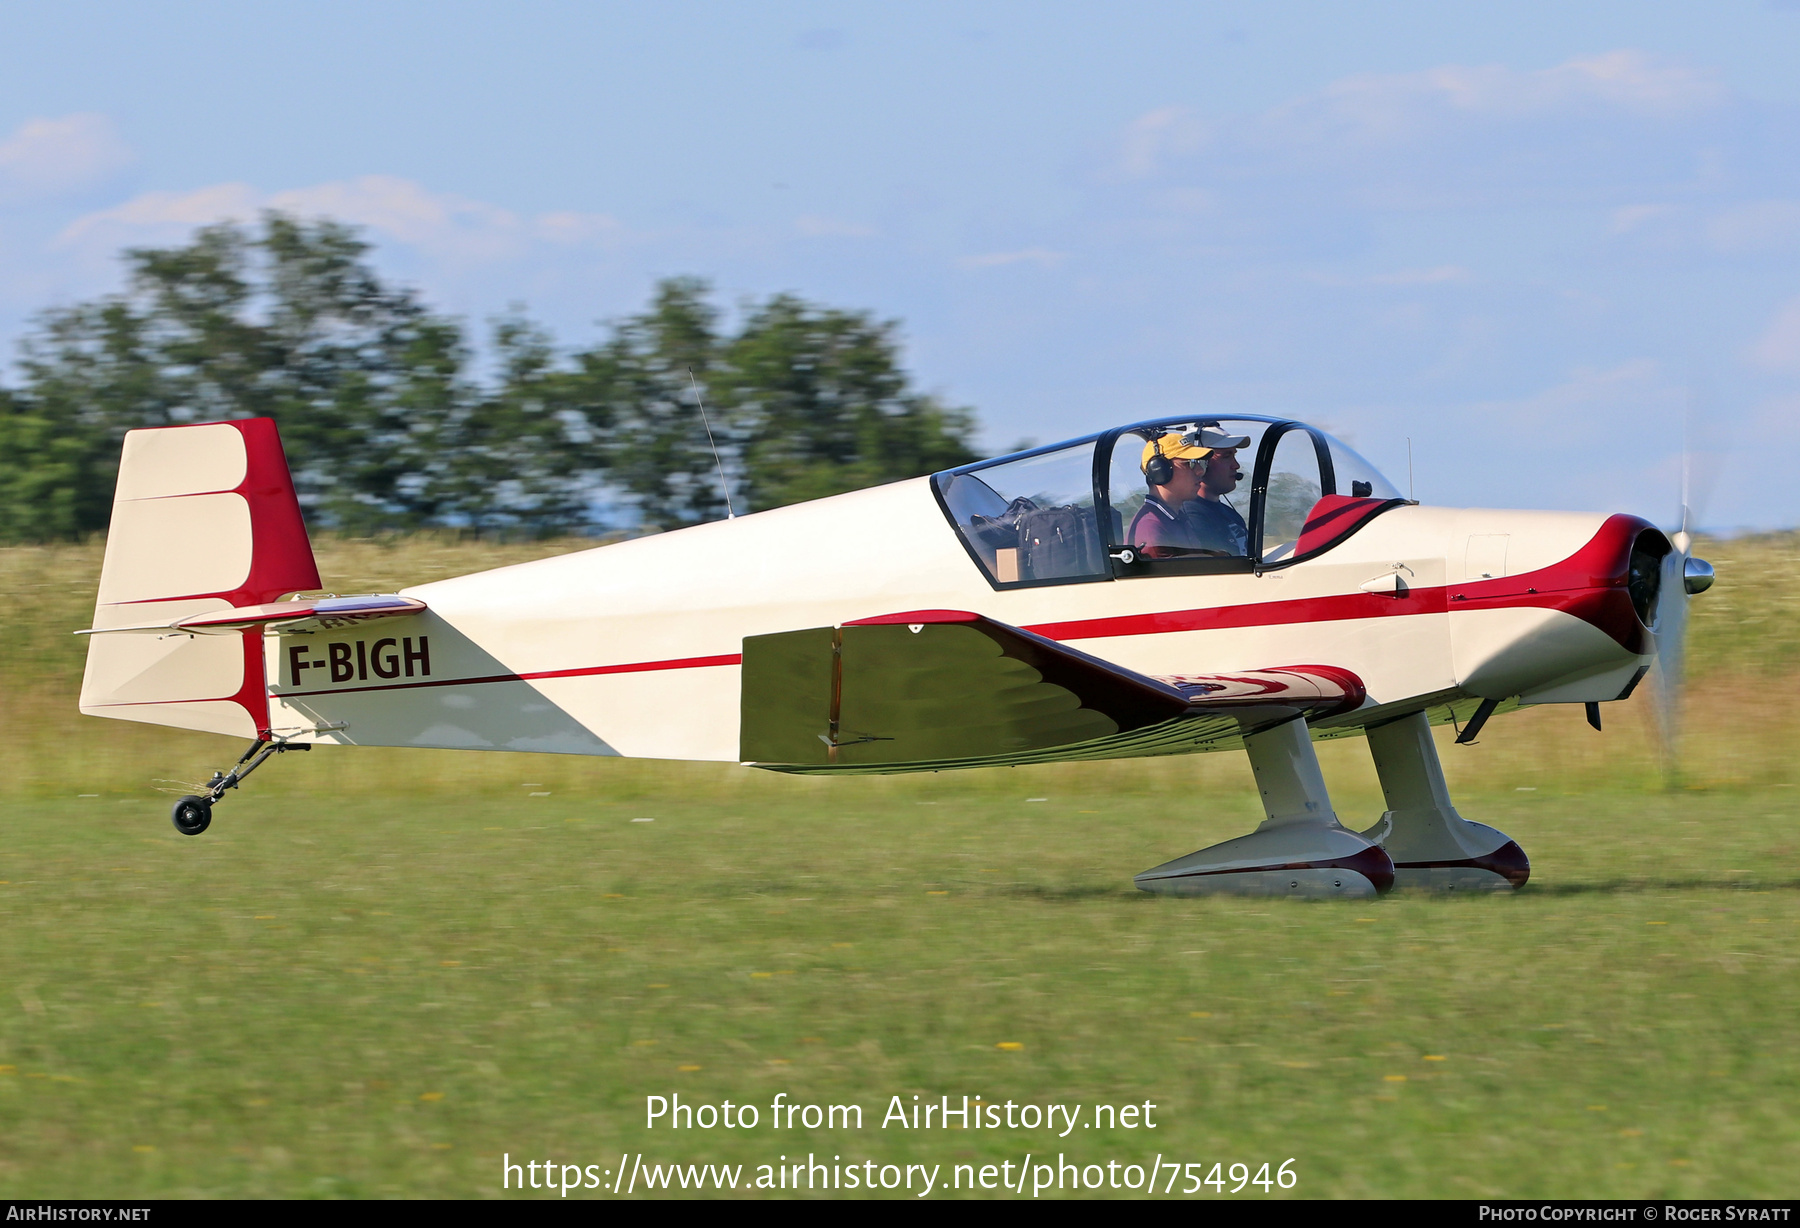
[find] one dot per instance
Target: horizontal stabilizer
(312, 614)
(930, 689)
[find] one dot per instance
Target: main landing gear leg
(1300, 850)
(193, 814)
(1432, 845)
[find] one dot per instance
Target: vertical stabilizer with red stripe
(204, 518)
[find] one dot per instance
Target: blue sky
(1536, 238)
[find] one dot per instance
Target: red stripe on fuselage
(1589, 585)
(1261, 614)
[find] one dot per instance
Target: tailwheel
(192, 815)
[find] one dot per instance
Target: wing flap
(929, 689)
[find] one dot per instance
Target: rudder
(204, 518)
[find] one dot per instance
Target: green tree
(287, 325)
(527, 454)
(383, 427)
(365, 383)
(53, 483)
(806, 401)
(88, 380)
(820, 405)
(386, 429)
(647, 374)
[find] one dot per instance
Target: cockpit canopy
(1084, 510)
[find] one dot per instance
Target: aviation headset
(1160, 470)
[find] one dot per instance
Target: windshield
(1181, 489)
(1168, 496)
(1030, 520)
(1355, 476)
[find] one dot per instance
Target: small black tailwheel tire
(192, 815)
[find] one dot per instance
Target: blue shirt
(1198, 527)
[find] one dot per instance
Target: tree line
(388, 425)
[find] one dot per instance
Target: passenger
(1184, 514)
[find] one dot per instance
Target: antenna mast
(717, 459)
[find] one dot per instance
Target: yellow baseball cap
(1196, 444)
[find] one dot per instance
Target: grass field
(383, 970)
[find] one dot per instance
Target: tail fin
(204, 518)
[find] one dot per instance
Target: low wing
(931, 689)
(313, 614)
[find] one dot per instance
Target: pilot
(1185, 514)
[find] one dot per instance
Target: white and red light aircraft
(994, 614)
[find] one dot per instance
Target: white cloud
(437, 222)
(1592, 404)
(1152, 138)
(1454, 134)
(1778, 349)
(570, 227)
(1629, 218)
(1760, 226)
(45, 158)
(1424, 277)
(1626, 80)
(816, 226)
(441, 225)
(1635, 81)
(1382, 107)
(1029, 255)
(219, 202)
